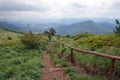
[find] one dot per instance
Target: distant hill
(86, 26)
(2, 30)
(10, 27)
(72, 29)
(41, 27)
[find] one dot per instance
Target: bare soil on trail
(49, 75)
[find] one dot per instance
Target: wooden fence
(113, 58)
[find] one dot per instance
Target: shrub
(9, 38)
(68, 36)
(83, 35)
(99, 41)
(30, 40)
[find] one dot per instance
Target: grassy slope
(108, 43)
(4, 34)
(62, 62)
(16, 61)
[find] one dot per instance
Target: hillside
(62, 29)
(86, 26)
(10, 27)
(5, 35)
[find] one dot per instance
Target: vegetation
(107, 44)
(95, 42)
(30, 40)
(18, 62)
(21, 54)
(50, 33)
(63, 60)
(74, 75)
(56, 56)
(8, 38)
(117, 29)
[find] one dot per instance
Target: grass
(108, 43)
(74, 75)
(57, 61)
(20, 63)
(4, 38)
(17, 62)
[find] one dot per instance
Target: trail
(47, 74)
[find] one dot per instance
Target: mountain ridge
(62, 29)
(86, 26)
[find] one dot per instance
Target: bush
(99, 41)
(9, 38)
(83, 35)
(30, 40)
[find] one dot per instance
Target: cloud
(51, 9)
(18, 5)
(78, 5)
(116, 5)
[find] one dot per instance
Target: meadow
(21, 55)
(18, 62)
(98, 66)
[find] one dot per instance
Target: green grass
(74, 75)
(106, 44)
(19, 63)
(4, 38)
(57, 61)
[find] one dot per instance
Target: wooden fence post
(111, 69)
(72, 59)
(62, 45)
(113, 58)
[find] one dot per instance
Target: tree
(52, 31)
(117, 28)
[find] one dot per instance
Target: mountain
(62, 29)
(39, 27)
(86, 26)
(107, 24)
(10, 27)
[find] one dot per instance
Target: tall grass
(106, 44)
(19, 63)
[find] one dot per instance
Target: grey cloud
(78, 5)
(18, 6)
(116, 5)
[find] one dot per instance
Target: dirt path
(47, 74)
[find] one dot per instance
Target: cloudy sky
(58, 9)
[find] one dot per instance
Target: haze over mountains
(62, 29)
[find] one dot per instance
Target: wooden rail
(113, 58)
